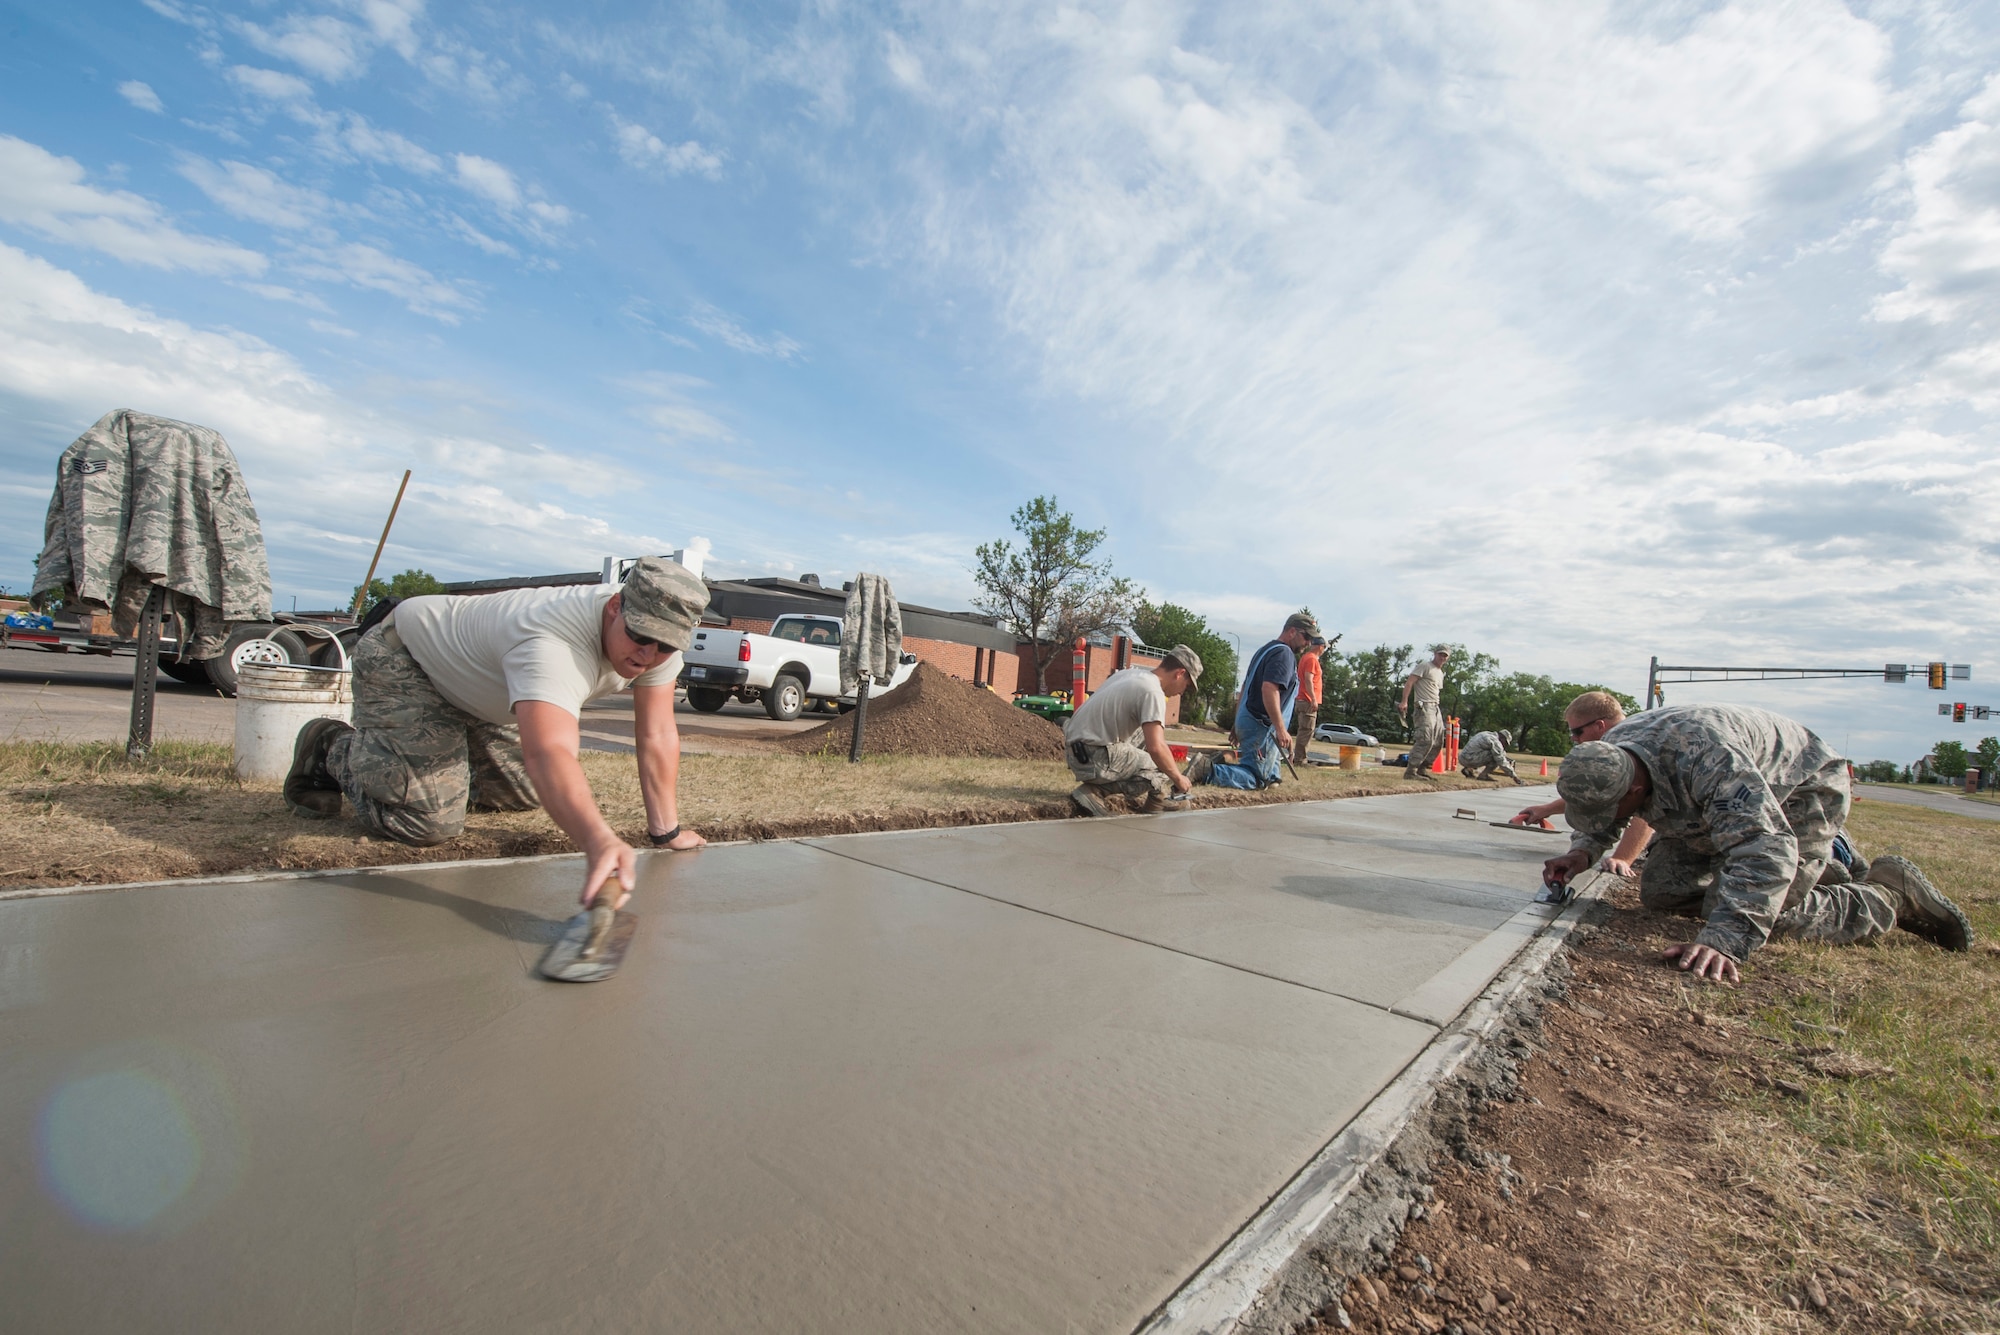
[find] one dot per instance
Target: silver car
(1343, 734)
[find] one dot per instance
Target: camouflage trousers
(1426, 740)
(1118, 768)
(415, 762)
(1822, 903)
(1504, 765)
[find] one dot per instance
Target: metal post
(860, 720)
(145, 676)
(1652, 681)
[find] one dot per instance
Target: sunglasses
(1578, 732)
(643, 641)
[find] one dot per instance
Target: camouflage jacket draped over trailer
(143, 500)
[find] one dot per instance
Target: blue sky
(1577, 332)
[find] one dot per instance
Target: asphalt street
(77, 697)
(1941, 799)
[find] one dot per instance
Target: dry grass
(1870, 1149)
(80, 814)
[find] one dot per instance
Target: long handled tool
(593, 943)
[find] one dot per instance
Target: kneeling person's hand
(1705, 962)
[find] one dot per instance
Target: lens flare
(117, 1148)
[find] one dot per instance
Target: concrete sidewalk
(1025, 1077)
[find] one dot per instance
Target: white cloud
(668, 406)
(320, 43)
(722, 327)
(489, 180)
(525, 208)
(352, 133)
(257, 194)
(271, 85)
(366, 266)
(48, 195)
(314, 457)
(642, 148)
(1706, 122)
(141, 96)
(1946, 254)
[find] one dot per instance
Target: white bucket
(273, 703)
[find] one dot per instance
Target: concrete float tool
(593, 943)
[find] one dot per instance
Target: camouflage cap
(1506, 738)
(1440, 648)
(663, 601)
(1303, 621)
(1595, 777)
(1188, 659)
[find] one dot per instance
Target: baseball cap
(1440, 648)
(663, 601)
(1302, 621)
(1595, 776)
(1188, 659)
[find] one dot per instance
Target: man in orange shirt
(1305, 714)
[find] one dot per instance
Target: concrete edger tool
(593, 943)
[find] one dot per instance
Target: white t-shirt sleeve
(544, 668)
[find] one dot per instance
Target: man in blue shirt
(1269, 687)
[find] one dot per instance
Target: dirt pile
(935, 715)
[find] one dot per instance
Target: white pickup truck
(798, 661)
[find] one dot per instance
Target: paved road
(1942, 799)
(1017, 1078)
(88, 698)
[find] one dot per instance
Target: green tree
(1361, 688)
(409, 584)
(1988, 754)
(1878, 771)
(1164, 625)
(1949, 760)
(1054, 588)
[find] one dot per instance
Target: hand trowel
(593, 943)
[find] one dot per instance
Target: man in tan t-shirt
(1419, 709)
(476, 701)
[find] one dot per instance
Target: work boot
(1086, 796)
(1924, 910)
(1198, 767)
(309, 790)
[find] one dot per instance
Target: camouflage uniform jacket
(1736, 784)
(142, 500)
(1483, 749)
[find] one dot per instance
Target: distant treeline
(1362, 689)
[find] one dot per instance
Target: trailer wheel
(707, 699)
(785, 698)
(248, 643)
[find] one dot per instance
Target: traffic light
(1958, 713)
(1896, 672)
(1937, 676)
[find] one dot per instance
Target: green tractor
(1054, 708)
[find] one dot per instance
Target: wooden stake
(369, 578)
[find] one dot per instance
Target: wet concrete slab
(823, 1093)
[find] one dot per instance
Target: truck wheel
(707, 699)
(785, 698)
(246, 644)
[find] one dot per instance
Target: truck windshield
(807, 632)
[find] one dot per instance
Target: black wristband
(662, 840)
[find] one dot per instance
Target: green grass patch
(206, 763)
